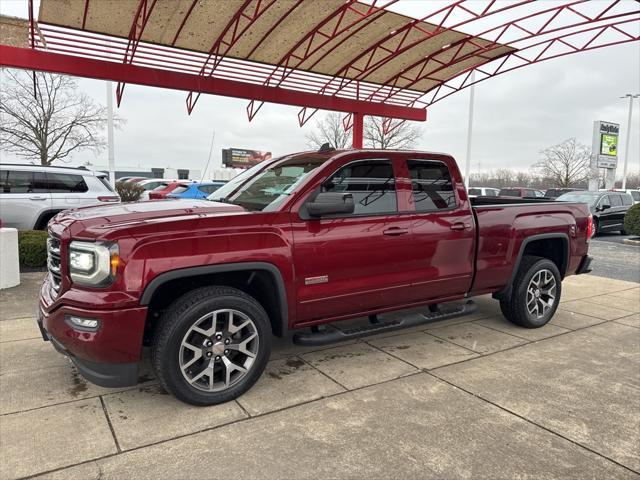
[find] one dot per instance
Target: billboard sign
(243, 158)
(605, 144)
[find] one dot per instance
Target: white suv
(31, 194)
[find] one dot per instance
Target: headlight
(92, 264)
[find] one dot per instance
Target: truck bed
(504, 225)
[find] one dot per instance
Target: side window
(474, 191)
(65, 183)
(19, 181)
(372, 184)
(626, 199)
(432, 185)
(636, 196)
(605, 201)
(491, 192)
(616, 200)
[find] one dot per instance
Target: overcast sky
(516, 115)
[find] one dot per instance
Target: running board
(333, 336)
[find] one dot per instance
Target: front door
(358, 262)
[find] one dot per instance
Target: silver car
(30, 195)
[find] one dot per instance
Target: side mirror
(331, 203)
(604, 207)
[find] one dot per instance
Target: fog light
(83, 324)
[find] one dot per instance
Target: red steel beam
(492, 45)
(84, 15)
(490, 71)
(184, 20)
(358, 130)
(143, 12)
(26, 58)
(223, 44)
(303, 50)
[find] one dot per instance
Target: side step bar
(326, 337)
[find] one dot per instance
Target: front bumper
(585, 265)
(108, 356)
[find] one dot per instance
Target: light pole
(467, 166)
(627, 142)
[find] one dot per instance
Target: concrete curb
(632, 241)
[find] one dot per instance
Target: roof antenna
(204, 172)
(326, 147)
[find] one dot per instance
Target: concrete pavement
(473, 397)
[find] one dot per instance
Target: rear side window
(20, 181)
(431, 184)
(616, 200)
(65, 183)
(491, 192)
(509, 192)
(475, 191)
(636, 196)
(104, 181)
(372, 184)
(208, 188)
(178, 190)
(626, 199)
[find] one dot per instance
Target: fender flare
(506, 291)
(271, 269)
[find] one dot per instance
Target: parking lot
(473, 397)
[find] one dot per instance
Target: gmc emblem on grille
(315, 280)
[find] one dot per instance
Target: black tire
(515, 308)
(174, 324)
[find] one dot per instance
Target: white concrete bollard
(9, 264)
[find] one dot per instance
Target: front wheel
(535, 294)
(211, 346)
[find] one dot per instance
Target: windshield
(582, 197)
(264, 191)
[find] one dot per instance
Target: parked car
(483, 191)
(151, 184)
(196, 190)
(608, 208)
(520, 192)
(31, 194)
(294, 242)
(635, 194)
(161, 191)
(126, 179)
(554, 193)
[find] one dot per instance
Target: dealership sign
(605, 144)
(242, 158)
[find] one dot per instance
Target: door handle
(460, 226)
(37, 198)
(395, 231)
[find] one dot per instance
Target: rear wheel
(535, 294)
(211, 346)
(596, 227)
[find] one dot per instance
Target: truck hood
(118, 215)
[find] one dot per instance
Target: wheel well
(555, 249)
(43, 219)
(257, 283)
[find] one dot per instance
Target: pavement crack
(113, 432)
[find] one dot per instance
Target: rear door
(23, 198)
(442, 232)
(69, 191)
(618, 210)
(358, 262)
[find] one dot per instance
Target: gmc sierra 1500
(291, 243)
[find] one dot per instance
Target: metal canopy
(343, 55)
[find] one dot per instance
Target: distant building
(169, 173)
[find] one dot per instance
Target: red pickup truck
(292, 244)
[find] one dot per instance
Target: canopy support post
(358, 129)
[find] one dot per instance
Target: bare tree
(329, 130)
(565, 164)
(49, 120)
(400, 135)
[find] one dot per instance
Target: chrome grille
(54, 264)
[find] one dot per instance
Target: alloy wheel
(541, 293)
(218, 350)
